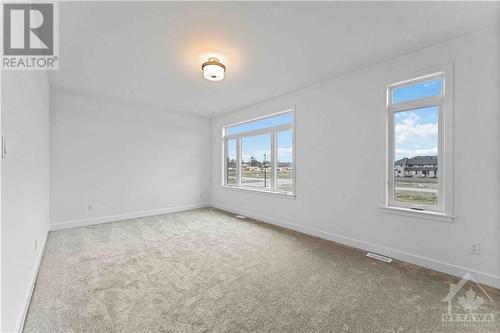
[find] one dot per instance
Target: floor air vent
(379, 257)
(240, 216)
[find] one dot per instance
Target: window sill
(258, 191)
(426, 215)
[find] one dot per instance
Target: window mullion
(274, 159)
(417, 104)
(441, 160)
(259, 131)
(238, 160)
(226, 154)
(390, 164)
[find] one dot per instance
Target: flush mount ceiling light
(213, 69)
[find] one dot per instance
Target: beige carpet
(207, 271)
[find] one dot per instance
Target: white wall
(340, 162)
(25, 188)
(125, 159)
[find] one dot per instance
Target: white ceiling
(151, 52)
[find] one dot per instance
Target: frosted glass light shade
(213, 70)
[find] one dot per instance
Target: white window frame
(445, 142)
(273, 132)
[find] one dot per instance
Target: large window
(418, 163)
(258, 154)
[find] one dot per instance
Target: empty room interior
(250, 167)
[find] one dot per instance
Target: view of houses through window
(265, 149)
(415, 109)
(416, 150)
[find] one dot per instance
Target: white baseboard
(22, 318)
(114, 218)
(482, 277)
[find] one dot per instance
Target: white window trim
(273, 131)
(444, 211)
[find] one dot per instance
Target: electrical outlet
(90, 207)
(474, 248)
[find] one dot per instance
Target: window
(284, 166)
(258, 154)
(255, 156)
(419, 166)
(231, 162)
